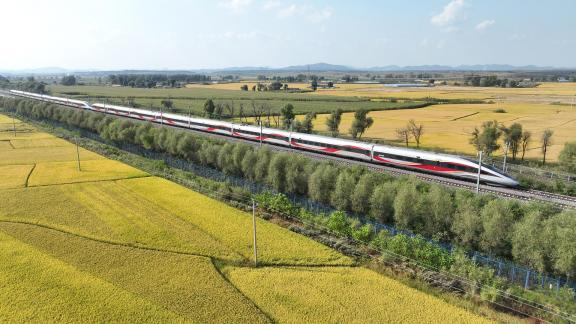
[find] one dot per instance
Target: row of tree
(494, 81)
(538, 236)
(516, 140)
(151, 80)
(30, 84)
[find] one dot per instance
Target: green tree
(307, 125)
(68, 80)
(382, 202)
(498, 218)
(249, 164)
(407, 207)
(440, 206)
(333, 121)
(277, 171)
(361, 123)
(546, 141)
(486, 140)
(168, 104)
(261, 168)
(338, 222)
(314, 85)
(467, 225)
(321, 182)
(528, 244)
(287, 115)
(345, 184)
(209, 108)
(363, 192)
(525, 141)
(561, 231)
(567, 157)
(297, 174)
(513, 136)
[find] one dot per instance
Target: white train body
(441, 164)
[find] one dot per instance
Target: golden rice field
(112, 244)
(342, 295)
(50, 173)
(449, 126)
(546, 92)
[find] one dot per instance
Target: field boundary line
(29, 174)
(462, 117)
(89, 181)
(9, 143)
(95, 239)
(219, 271)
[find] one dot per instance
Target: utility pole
(479, 171)
(254, 231)
(78, 153)
(14, 125)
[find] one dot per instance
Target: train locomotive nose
(509, 182)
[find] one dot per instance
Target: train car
(442, 164)
(51, 99)
(266, 135)
(430, 162)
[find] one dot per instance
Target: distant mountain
(319, 67)
(316, 67)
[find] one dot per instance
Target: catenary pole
(479, 171)
(260, 133)
(505, 156)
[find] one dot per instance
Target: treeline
(29, 85)
(152, 80)
(536, 235)
(494, 81)
(517, 140)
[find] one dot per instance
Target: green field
(192, 99)
(111, 243)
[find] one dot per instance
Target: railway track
(519, 194)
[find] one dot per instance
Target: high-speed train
(440, 164)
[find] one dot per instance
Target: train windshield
(489, 167)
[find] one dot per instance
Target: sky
(194, 34)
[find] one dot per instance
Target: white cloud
(485, 24)
(452, 12)
(235, 5)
